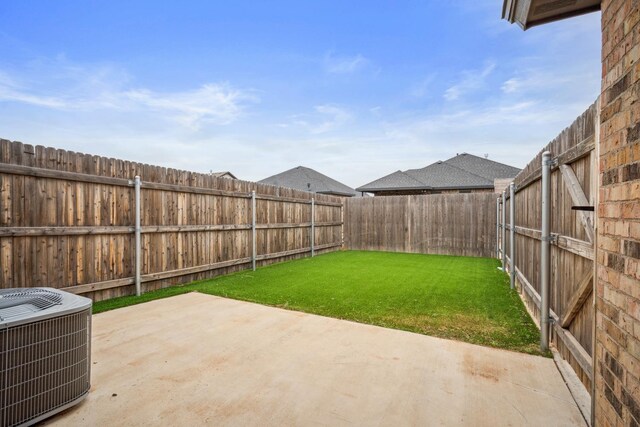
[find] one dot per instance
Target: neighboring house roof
(224, 174)
(397, 180)
(484, 167)
(462, 171)
(307, 179)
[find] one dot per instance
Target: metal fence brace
(253, 230)
(313, 225)
(504, 230)
(512, 234)
(498, 228)
(545, 253)
(138, 231)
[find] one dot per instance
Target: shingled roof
(464, 171)
(307, 179)
(223, 174)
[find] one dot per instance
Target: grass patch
(461, 298)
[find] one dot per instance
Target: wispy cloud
(334, 117)
(511, 85)
(376, 111)
(211, 103)
(470, 81)
(422, 88)
(11, 93)
(344, 64)
(534, 81)
(324, 119)
(76, 88)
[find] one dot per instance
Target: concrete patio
(197, 359)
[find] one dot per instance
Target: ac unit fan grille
(18, 302)
(45, 366)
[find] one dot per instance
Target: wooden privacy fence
(67, 220)
(573, 175)
(451, 224)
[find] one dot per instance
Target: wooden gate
(574, 175)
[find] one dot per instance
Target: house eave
(336, 193)
(469, 187)
(374, 190)
(530, 13)
(466, 187)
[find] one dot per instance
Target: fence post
(138, 230)
(512, 234)
(313, 225)
(342, 225)
(253, 230)
(504, 230)
(544, 251)
(498, 228)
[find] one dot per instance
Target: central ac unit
(45, 353)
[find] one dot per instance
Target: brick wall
(501, 184)
(618, 256)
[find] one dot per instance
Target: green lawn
(461, 298)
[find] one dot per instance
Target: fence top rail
(119, 172)
(458, 197)
(63, 175)
(294, 200)
(577, 152)
(122, 182)
(573, 143)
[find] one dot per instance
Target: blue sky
(353, 89)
